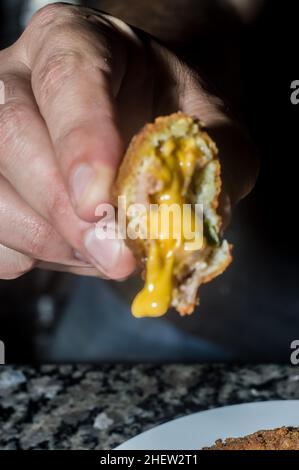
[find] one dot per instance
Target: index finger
(73, 86)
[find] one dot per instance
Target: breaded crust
(131, 161)
(134, 167)
(285, 438)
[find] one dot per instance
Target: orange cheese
(178, 160)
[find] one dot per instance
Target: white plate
(202, 429)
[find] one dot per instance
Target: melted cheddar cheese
(177, 160)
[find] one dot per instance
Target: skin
(78, 85)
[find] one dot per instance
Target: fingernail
(80, 181)
(89, 186)
(104, 252)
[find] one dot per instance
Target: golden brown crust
(285, 438)
(187, 309)
(127, 173)
(221, 268)
(127, 183)
(131, 161)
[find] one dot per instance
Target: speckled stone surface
(88, 407)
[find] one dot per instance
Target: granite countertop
(89, 407)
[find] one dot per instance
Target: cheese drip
(178, 159)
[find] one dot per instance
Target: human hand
(78, 85)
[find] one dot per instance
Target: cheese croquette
(174, 161)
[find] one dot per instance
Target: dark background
(253, 310)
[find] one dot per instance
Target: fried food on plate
(285, 438)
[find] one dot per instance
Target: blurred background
(251, 313)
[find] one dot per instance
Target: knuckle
(49, 13)
(14, 116)
(59, 68)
